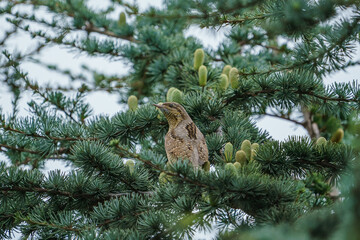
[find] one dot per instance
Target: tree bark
(311, 127)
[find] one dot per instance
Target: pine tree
(273, 61)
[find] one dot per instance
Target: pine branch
(205, 15)
(269, 92)
(109, 221)
(89, 27)
(32, 18)
(60, 40)
(244, 19)
(299, 156)
(158, 168)
(283, 117)
(51, 225)
(8, 34)
(51, 192)
(92, 28)
(131, 193)
(58, 106)
(78, 77)
(35, 135)
(17, 149)
(83, 88)
(58, 152)
(315, 59)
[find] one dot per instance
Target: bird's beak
(160, 106)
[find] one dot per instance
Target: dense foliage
(272, 62)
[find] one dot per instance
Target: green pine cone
(114, 142)
(338, 136)
(223, 82)
(122, 19)
(199, 56)
(234, 78)
(228, 152)
(226, 70)
(246, 147)
(164, 178)
(229, 167)
(169, 94)
(206, 166)
(320, 141)
(133, 103)
(237, 165)
(202, 76)
(177, 96)
(240, 157)
(255, 147)
(205, 196)
(253, 154)
(131, 165)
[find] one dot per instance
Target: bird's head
(174, 112)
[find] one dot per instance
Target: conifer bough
(121, 185)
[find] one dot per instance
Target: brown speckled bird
(183, 140)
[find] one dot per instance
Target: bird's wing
(202, 148)
(186, 143)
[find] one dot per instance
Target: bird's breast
(185, 141)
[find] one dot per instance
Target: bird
(183, 140)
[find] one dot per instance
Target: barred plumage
(183, 140)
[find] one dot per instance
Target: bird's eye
(171, 105)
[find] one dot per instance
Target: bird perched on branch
(183, 140)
